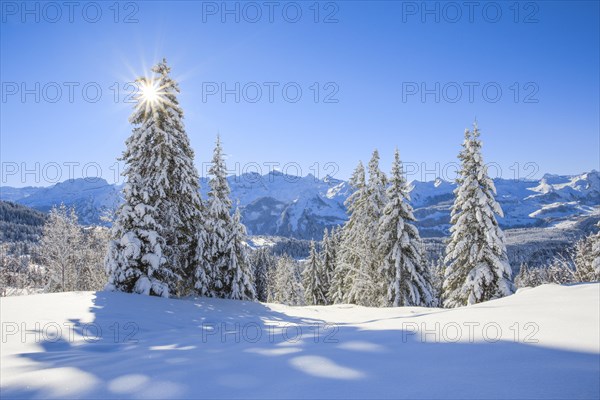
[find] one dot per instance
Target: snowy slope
(287, 205)
(538, 343)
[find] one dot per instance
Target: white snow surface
(181, 349)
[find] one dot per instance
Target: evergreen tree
(524, 277)
(312, 279)
(272, 280)
(367, 286)
(287, 283)
(187, 231)
(203, 270)
(239, 272)
(156, 226)
(404, 271)
(477, 265)
(231, 274)
(436, 270)
(219, 225)
(264, 263)
(334, 239)
(339, 284)
(351, 248)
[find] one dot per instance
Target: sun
(150, 93)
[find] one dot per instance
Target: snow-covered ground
(538, 343)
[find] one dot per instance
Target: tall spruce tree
(155, 228)
(405, 274)
(351, 252)
(312, 279)
(287, 283)
(203, 273)
(219, 224)
(477, 267)
(264, 264)
(367, 286)
(436, 271)
(231, 274)
(239, 269)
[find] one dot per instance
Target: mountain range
(286, 205)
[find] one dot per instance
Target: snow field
(538, 343)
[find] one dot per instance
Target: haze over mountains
(301, 207)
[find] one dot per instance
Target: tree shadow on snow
(144, 347)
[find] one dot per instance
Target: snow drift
(538, 343)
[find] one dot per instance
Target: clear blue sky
(373, 54)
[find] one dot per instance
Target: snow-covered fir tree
(188, 232)
(351, 253)
(202, 276)
(240, 279)
(524, 277)
(334, 239)
(587, 258)
(367, 285)
(436, 271)
(312, 279)
(263, 263)
(218, 224)
(287, 283)
(155, 229)
(404, 271)
(231, 274)
(477, 267)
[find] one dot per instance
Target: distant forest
(19, 223)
